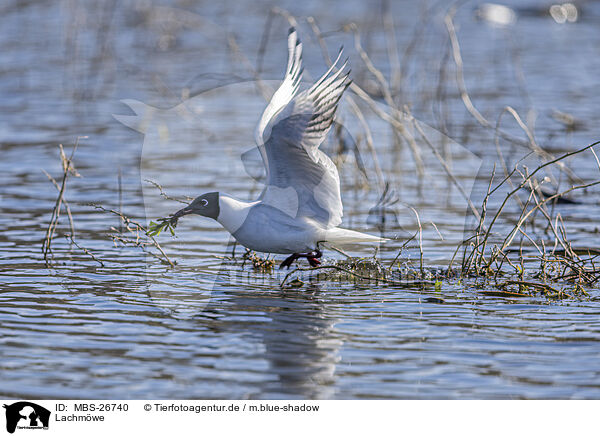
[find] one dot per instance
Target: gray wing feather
(294, 159)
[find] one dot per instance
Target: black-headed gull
(300, 207)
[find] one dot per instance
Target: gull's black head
(206, 205)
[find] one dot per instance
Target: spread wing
(286, 91)
(301, 180)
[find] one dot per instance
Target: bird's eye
(204, 202)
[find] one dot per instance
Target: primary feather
(302, 181)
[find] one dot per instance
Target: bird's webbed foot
(312, 258)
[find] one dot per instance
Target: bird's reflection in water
(302, 346)
(297, 331)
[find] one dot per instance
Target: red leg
(313, 261)
(312, 258)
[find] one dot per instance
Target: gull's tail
(341, 236)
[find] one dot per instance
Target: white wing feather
(292, 156)
(286, 91)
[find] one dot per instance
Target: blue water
(215, 328)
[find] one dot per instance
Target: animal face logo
(26, 415)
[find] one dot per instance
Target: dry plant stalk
(478, 258)
(68, 169)
(484, 122)
(136, 231)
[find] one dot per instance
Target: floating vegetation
(259, 263)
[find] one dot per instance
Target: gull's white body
(261, 227)
(301, 204)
